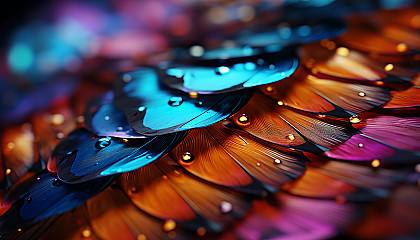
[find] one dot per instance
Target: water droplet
(56, 182)
(269, 89)
(80, 119)
(141, 237)
(355, 119)
(196, 51)
(127, 78)
(106, 118)
(133, 189)
(243, 119)
(149, 157)
(57, 119)
(175, 101)
(193, 94)
(402, 47)
(280, 103)
(342, 51)
(119, 129)
(375, 163)
(277, 161)
(8, 171)
(103, 143)
(11, 145)
(271, 66)
(250, 66)
(290, 137)
(361, 145)
(389, 67)
(169, 225)
(260, 61)
(141, 109)
(187, 157)
(38, 178)
(222, 70)
(60, 135)
(258, 164)
(86, 233)
(201, 231)
(199, 104)
(226, 207)
(362, 94)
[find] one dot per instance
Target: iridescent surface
(84, 156)
(152, 109)
(229, 74)
(42, 196)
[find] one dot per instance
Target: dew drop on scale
(103, 143)
(175, 101)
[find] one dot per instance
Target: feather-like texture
(43, 196)
(168, 192)
(285, 126)
(226, 75)
(105, 119)
(307, 92)
(230, 157)
(152, 109)
(383, 137)
(18, 153)
(84, 156)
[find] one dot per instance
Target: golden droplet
(269, 89)
(379, 83)
(141, 237)
(340, 199)
(80, 119)
(133, 190)
(125, 140)
(201, 231)
(342, 51)
(187, 157)
(280, 103)
(277, 161)
(362, 94)
(375, 163)
(389, 67)
(415, 21)
(402, 47)
(361, 145)
(169, 225)
(193, 94)
(330, 45)
(8, 171)
(11, 145)
(57, 119)
(243, 119)
(86, 233)
(321, 115)
(355, 119)
(290, 137)
(164, 177)
(20, 230)
(314, 70)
